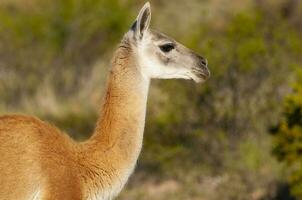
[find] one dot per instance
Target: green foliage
(59, 39)
(288, 136)
(53, 57)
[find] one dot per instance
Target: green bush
(53, 57)
(288, 137)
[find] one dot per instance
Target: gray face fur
(160, 56)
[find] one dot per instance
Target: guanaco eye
(166, 47)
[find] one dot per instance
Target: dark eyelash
(166, 47)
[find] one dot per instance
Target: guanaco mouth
(200, 75)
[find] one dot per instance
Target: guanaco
(38, 161)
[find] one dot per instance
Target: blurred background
(236, 137)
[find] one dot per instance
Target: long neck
(122, 119)
(113, 149)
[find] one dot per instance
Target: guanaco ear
(142, 22)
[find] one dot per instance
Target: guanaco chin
(38, 161)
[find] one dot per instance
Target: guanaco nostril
(202, 60)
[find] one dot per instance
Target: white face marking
(154, 63)
(162, 57)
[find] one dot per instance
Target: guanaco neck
(122, 119)
(117, 139)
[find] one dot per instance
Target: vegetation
(287, 136)
(204, 141)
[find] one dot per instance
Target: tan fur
(37, 156)
(38, 161)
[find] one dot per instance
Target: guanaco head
(160, 56)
